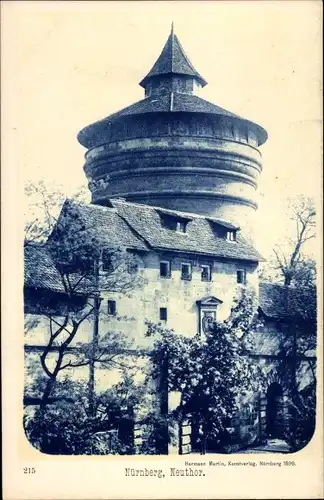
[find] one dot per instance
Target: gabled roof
(224, 224)
(273, 300)
(110, 230)
(136, 227)
(174, 213)
(199, 237)
(40, 271)
(173, 60)
(281, 302)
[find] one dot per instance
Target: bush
(302, 418)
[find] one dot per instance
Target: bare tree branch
(287, 261)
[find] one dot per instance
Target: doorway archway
(275, 411)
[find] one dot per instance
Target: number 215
(29, 470)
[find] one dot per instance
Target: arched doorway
(275, 411)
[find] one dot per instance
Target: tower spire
(173, 60)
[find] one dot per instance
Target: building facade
(191, 268)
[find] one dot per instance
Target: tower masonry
(175, 150)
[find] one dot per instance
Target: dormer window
(231, 235)
(174, 221)
(224, 229)
(181, 226)
(162, 90)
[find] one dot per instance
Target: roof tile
(111, 229)
(278, 301)
(40, 270)
(199, 237)
(137, 227)
(173, 59)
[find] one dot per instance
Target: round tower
(176, 150)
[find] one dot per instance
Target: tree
(294, 265)
(75, 251)
(298, 365)
(290, 260)
(42, 207)
(66, 427)
(213, 372)
(302, 418)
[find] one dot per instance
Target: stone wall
(189, 161)
(178, 296)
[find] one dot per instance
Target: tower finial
(173, 60)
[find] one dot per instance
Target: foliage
(155, 426)
(77, 251)
(305, 274)
(67, 428)
(301, 297)
(302, 418)
(211, 372)
(294, 266)
(42, 206)
(303, 306)
(291, 263)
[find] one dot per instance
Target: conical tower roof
(173, 60)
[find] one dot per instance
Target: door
(275, 411)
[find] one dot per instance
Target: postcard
(162, 260)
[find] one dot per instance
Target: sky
(68, 64)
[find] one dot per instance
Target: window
(165, 269)
(231, 236)
(186, 273)
(112, 307)
(181, 226)
(174, 222)
(241, 276)
(163, 314)
(205, 273)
